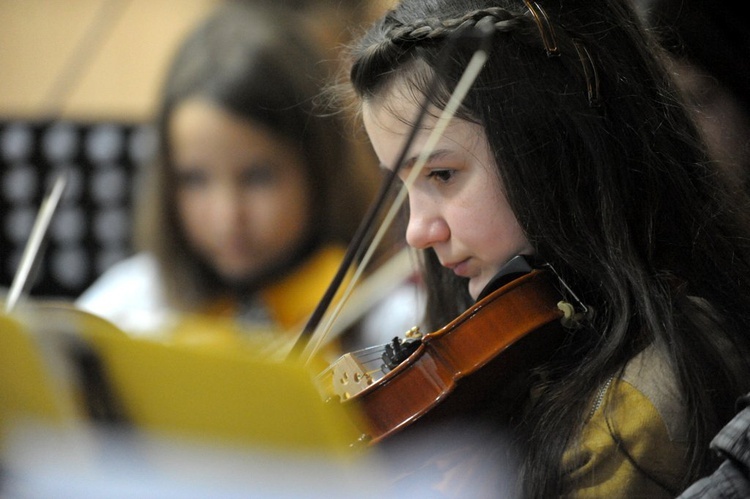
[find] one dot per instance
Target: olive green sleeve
(640, 414)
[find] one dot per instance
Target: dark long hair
(258, 64)
(607, 175)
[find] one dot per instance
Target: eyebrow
(409, 163)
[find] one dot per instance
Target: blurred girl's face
(720, 116)
(242, 191)
(457, 205)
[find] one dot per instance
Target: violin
(455, 369)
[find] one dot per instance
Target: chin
(476, 287)
(236, 274)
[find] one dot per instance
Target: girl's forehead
(388, 136)
(389, 108)
(398, 116)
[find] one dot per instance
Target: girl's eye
(441, 175)
(191, 178)
(261, 174)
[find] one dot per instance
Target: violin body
(461, 366)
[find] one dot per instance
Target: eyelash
(443, 176)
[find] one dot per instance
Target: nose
(426, 225)
(226, 208)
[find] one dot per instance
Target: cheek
(496, 231)
(296, 208)
(282, 213)
(193, 212)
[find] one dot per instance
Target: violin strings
(467, 79)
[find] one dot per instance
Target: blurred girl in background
(255, 194)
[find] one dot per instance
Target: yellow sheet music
(229, 396)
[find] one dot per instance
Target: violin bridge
(351, 373)
(349, 376)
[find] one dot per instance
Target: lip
(461, 268)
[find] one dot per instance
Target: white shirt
(130, 294)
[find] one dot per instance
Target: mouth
(460, 268)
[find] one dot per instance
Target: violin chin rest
(515, 268)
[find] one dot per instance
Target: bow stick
(30, 252)
(305, 341)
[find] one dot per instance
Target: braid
(393, 40)
(433, 28)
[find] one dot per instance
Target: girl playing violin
(255, 193)
(572, 147)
